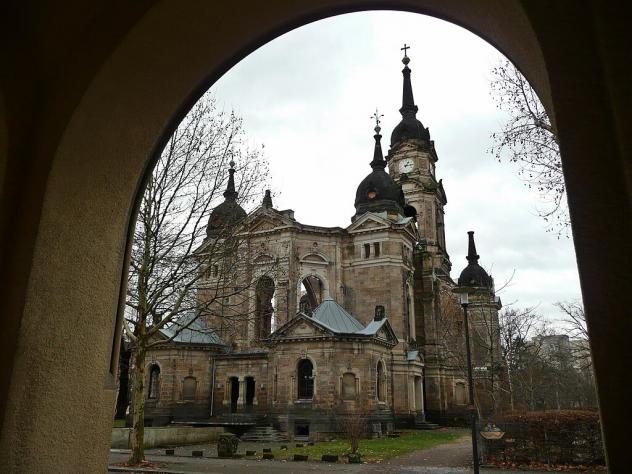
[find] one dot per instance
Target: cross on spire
(376, 115)
(405, 49)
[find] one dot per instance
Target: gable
(300, 327)
(368, 222)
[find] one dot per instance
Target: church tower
(411, 162)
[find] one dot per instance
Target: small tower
(484, 331)
(378, 192)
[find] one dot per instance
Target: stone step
(263, 434)
(425, 425)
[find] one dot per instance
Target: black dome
(474, 275)
(378, 192)
(409, 128)
(225, 216)
(228, 214)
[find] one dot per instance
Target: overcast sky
(308, 95)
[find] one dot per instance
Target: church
(359, 320)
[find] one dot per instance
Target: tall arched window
(311, 294)
(154, 382)
(381, 382)
(305, 379)
(264, 314)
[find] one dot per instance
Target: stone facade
(388, 270)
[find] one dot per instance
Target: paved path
(449, 458)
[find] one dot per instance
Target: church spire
(230, 193)
(409, 109)
(472, 256)
(378, 158)
(409, 127)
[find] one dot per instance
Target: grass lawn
(119, 423)
(374, 449)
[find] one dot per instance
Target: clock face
(406, 166)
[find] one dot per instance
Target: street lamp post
(470, 382)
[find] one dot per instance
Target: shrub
(554, 437)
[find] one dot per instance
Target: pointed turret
(229, 213)
(230, 192)
(378, 158)
(474, 275)
(472, 256)
(378, 192)
(409, 127)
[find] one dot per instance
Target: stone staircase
(263, 434)
(426, 425)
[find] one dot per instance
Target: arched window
(264, 311)
(305, 379)
(189, 386)
(349, 389)
(381, 382)
(154, 382)
(312, 294)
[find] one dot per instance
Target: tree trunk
(138, 397)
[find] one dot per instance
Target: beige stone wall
(241, 368)
(330, 363)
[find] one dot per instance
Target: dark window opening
(312, 291)
(376, 249)
(264, 311)
(305, 379)
(301, 428)
(367, 250)
(154, 382)
(250, 393)
(234, 394)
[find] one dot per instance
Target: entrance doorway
(250, 393)
(234, 394)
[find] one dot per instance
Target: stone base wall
(168, 436)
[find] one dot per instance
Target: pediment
(386, 333)
(300, 327)
(265, 223)
(368, 222)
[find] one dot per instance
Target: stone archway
(75, 167)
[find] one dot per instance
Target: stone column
(241, 400)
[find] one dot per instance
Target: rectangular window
(367, 250)
(376, 249)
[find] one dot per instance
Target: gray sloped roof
(197, 332)
(333, 316)
(372, 328)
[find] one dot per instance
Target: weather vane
(377, 116)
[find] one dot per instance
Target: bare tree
(529, 139)
(517, 328)
(353, 423)
(173, 258)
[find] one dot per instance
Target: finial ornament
(405, 49)
(376, 115)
